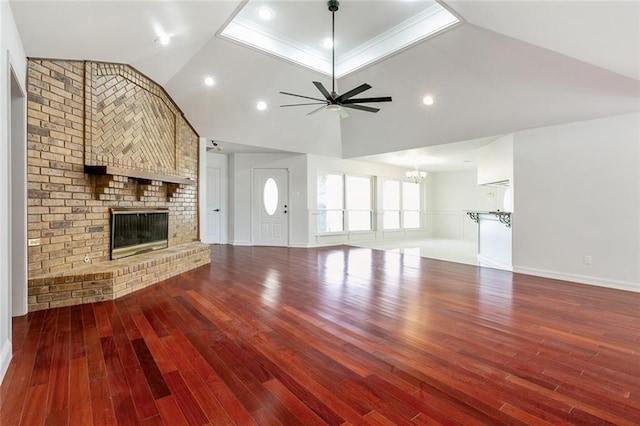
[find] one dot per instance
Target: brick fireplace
(104, 137)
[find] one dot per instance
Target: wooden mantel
(136, 174)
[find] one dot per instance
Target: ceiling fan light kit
(332, 101)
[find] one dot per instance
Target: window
(270, 196)
(345, 203)
(391, 204)
(330, 203)
(411, 205)
(359, 209)
(400, 207)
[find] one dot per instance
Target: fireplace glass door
(138, 231)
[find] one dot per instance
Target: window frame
(402, 210)
(405, 210)
(371, 209)
(318, 209)
(398, 211)
(345, 211)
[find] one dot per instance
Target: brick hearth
(110, 280)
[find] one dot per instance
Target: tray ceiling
(296, 31)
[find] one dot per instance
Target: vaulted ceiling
(507, 66)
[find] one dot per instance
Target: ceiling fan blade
(312, 103)
(343, 113)
(366, 100)
(361, 107)
(316, 110)
(301, 96)
(353, 92)
(322, 90)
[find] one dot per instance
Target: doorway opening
(18, 197)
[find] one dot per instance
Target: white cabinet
(495, 162)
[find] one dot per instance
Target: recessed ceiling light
(265, 13)
(261, 105)
(427, 100)
(209, 81)
(327, 43)
(163, 39)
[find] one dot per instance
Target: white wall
(240, 194)
(577, 193)
(454, 192)
(12, 56)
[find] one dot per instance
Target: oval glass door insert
(270, 196)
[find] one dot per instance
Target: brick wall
(82, 112)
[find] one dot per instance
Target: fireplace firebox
(135, 231)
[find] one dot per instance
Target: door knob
(216, 210)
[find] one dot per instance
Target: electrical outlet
(588, 260)
(33, 242)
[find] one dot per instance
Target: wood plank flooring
(334, 336)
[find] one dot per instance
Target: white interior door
(271, 207)
(212, 233)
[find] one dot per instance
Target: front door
(271, 207)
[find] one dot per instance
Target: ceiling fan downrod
(333, 5)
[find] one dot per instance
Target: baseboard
(5, 357)
(582, 279)
(220, 243)
(493, 263)
(291, 245)
(328, 244)
(299, 245)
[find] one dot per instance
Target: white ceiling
(510, 65)
(437, 158)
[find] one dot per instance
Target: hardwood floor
(332, 336)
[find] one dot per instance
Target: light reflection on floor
(271, 287)
(458, 251)
(401, 280)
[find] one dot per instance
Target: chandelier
(415, 175)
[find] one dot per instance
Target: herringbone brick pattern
(133, 125)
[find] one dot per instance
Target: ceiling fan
(332, 100)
